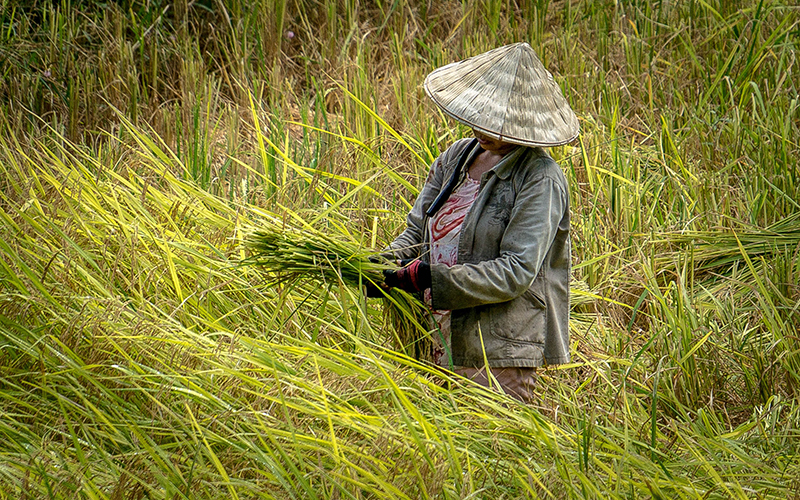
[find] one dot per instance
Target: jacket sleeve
(531, 230)
(409, 244)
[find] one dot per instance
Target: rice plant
(143, 145)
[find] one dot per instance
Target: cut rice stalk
(294, 253)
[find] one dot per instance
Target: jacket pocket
(521, 321)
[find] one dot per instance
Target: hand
(414, 276)
(372, 291)
(377, 290)
(380, 258)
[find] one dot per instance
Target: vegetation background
(141, 139)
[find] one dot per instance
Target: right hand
(414, 276)
(372, 291)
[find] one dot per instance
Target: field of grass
(141, 141)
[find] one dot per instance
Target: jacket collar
(506, 165)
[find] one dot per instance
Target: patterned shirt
(445, 228)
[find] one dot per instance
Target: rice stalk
(716, 249)
(115, 385)
(294, 253)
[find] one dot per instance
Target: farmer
(487, 241)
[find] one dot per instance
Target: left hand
(414, 276)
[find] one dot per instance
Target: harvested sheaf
(715, 249)
(292, 253)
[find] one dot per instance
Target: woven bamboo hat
(506, 94)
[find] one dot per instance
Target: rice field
(143, 356)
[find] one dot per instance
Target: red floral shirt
(445, 228)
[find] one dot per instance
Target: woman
(488, 236)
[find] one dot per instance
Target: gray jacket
(509, 291)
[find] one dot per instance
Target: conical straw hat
(508, 95)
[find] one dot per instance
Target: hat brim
(500, 137)
(505, 94)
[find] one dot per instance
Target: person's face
(493, 145)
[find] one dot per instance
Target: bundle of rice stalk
(716, 249)
(293, 253)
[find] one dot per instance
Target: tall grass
(140, 141)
